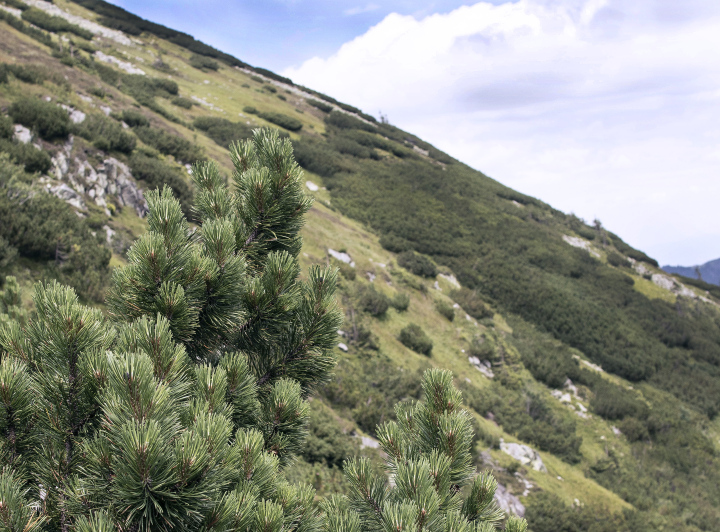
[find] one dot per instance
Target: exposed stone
(68, 195)
(109, 233)
(22, 134)
(369, 442)
(508, 502)
(342, 257)
(93, 27)
(482, 366)
(122, 65)
(76, 116)
(312, 187)
(524, 454)
(578, 242)
(450, 279)
(343, 347)
(371, 276)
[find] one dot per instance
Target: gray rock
(508, 502)
(524, 454)
(22, 134)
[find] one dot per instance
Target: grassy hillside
(561, 336)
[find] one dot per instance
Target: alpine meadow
(230, 302)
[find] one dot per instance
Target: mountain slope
(561, 335)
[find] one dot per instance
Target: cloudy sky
(606, 108)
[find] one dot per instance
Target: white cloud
(607, 108)
(358, 10)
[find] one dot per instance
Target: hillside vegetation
(560, 335)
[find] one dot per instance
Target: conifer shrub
(183, 150)
(27, 73)
(373, 302)
(418, 264)
(48, 22)
(345, 121)
(203, 62)
(134, 118)
(8, 254)
(316, 157)
(156, 174)
(47, 119)
(32, 159)
(222, 130)
(282, 120)
(617, 260)
(413, 337)
(105, 134)
(471, 303)
(249, 109)
(445, 309)
(400, 301)
(181, 101)
(270, 88)
(325, 108)
(615, 402)
(28, 29)
(634, 429)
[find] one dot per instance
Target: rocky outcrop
(524, 454)
(508, 502)
(81, 181)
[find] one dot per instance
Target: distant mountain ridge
(709, 272)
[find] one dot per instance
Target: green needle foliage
(180, 410)
(428, 458)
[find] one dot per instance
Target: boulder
(524, 454)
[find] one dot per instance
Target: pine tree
(429, 462)
(180, 410)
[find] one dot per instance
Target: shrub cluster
(346, 121)
(249, 109)
(31, 158)
(413, 337)
(155, 173)
(54, 24)
(471, 303)
(400, 302)
(317, 157)
(181, 101)
(417, 264)
(222, 130)
(325, 108)
(282, 120)
(203, 62)
(373, 302)
(27, 73)
(445, 309)
(105, 134)
(45, 118)
(27, 29)
(183, 150)
(134, 118)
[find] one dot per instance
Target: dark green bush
(27, 155)
(105, 134)
(97, 91)
(633, 429)
(54, 24)
(6, 127)
(350, 147)
(47, 119)
(445, 309)
(27, 73)
(615, 402)
(17, 4)
(221, 130)
(345, 121)
(169, 144)
(155, 173)
(482, 348)
(285, 121)
(270, 88)
(373, 302)
(617, 260)
(471, 303)
(8, 254)
(249, 109)
(347, 271)
(317, 157)
(325, 108)
(413, 337)
(417, 264)
(202, 62)
(29, 30)
(400, 302)
(326, 443)
(134, 118)
(180, 101)
(44, 228)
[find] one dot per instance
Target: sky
(606, 108)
